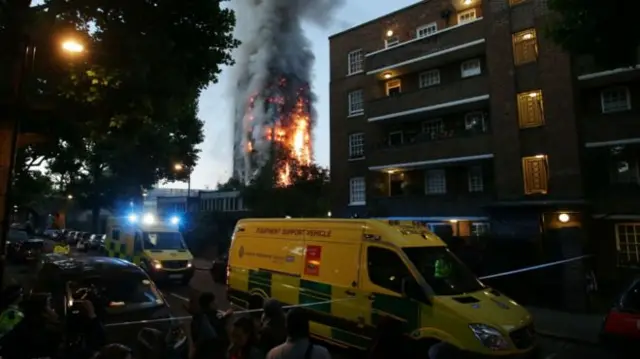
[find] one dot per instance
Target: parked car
(20, 248)
(120, 292)
(75, 238)
(621, 329)
(51, 233)
(101, 246)
(94, 241)
(83, 242)
(219, 269)
(70, 236)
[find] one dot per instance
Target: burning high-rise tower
(273, 98)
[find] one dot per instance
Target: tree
(590, 27)
(307, 195)
(127, 111)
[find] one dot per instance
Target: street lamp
(24, 57)
(70, 197)
(179, 167)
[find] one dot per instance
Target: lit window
(615, 99)
(530, 109)
(525, 47)
(391, 41)
(479, 229)
(429, 78)
(466, 16)
(434, 129)
(356, 103)
(396, 138)
(475, 179)
(435, 182)
(356, 145)
(357, 193)
(536, 174)
(393, 87)
(355, 61)
(470, 68)
(475, 122)
(427, 30)
(628, 244)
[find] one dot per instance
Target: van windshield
(163, 241)
(443, 271)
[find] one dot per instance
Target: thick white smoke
(274, 47)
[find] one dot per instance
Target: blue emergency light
(175, 220)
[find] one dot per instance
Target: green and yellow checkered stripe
(338, 327)
(116, 249)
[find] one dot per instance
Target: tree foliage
(121, 115)
(306, 196)
(604, 30)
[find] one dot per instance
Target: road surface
(178, 296)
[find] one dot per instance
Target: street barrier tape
(185, 318)
(527, 269)
(497, 275)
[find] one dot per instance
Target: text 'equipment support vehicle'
(156, 246)
(363, 270)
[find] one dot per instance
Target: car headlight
(189, 264)
(156, 264)
(489, 337)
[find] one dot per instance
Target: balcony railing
(444, 41)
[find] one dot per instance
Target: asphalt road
(178, 296)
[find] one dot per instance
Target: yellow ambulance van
(155, 245)
(350, 273)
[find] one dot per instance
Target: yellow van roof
(400, 233)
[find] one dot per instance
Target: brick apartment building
(461, 113)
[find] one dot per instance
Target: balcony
(436, 142)
(467, 93)
(457, 42)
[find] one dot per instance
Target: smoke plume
(272, 79)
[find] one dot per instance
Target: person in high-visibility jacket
(62, 247)
(12, 314)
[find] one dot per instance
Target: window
(357, 191)
(628, 244)
(386, 269)
(536, 174)
(435, 182)
(427, 30)
(479, 229)
(356, 145)
(393, 87)
(163, 241)
(470, 68)
(525, 47)
(121, 293)
(356, 103)
(429, 78)
(615, 100)
(625, 172)
(443, 271)
(396, 138)
(433, 128)
(530, 109)
(355, 61)
(466, 16)
(474, 122)
(475, 179)
(391, 41)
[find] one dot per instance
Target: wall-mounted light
(564, 217)
(389, 33)
(540, 156)
(527, 37)
(453, 220)
(533, 94)
(387, 75)
(467, 2)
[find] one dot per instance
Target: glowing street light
(178, 167)
(72, 46)
(70, 196)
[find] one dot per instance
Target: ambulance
(155, 245)
(351, 273)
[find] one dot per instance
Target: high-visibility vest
(9, 319)
(61, 249)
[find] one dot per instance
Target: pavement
(560, 335)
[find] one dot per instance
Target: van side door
(381, 278)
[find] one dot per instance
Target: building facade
(461, 113)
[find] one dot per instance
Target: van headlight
(189, 264)
(489, 337)
(156, 264)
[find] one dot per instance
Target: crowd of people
(31, 329)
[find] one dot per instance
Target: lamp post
(179, 167)
(25, 55)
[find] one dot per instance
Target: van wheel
(422, 346)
